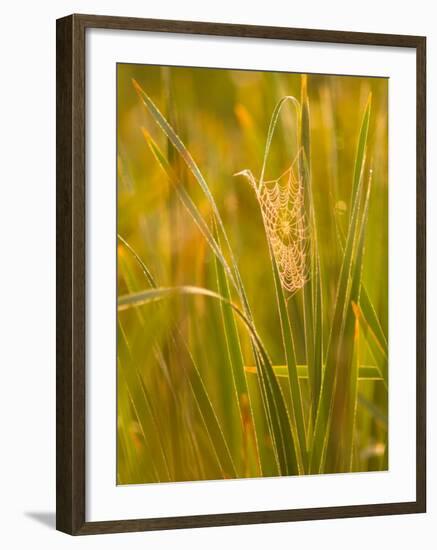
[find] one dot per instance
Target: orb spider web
(282, 206)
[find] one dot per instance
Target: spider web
(283, 211)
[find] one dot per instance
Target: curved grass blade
(222, 267)
(142, 265)
(174, 139)
(204, 404)
(279, 418)
(145, 395)
(298, 424)
(180, 147)
(189, 205)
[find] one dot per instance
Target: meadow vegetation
(252, 254)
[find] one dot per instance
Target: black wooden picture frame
(71, 274)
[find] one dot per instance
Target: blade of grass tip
(161, 121)
(365, 301)
(357, 180)
(189, 205)
(235, 357)
(279, 417)
(361, 149)
(298, 424)
(192, 166)
(322, 426)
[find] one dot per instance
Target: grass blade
(376, 347)
(206, 409)
(194, 169)
(366, 373)
(269, 385)
(236, 360)
(281, 429)
(345, 393)
(336, 359)
(189, 205)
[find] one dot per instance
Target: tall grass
(218, 377)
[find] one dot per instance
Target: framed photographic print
(240, 274)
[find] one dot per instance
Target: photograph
(252, 274)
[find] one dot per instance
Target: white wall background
(27, 274)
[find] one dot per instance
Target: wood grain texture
(71, 274)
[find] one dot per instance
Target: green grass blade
(142, 265)
(155, 424)
(345, 393)
(334, 357)
(142, 431)
(210, 420)
(213, 244)
(298, 424)
(290, 357)
(376, 347)
(174, 139)
(236, 359)
(372, 320)
(366, 373)
(192, 166)
(189, 205)
(361, 149)
(272, 126)
(366, 304)
(281, 429)
(308, 291)
(206, 409)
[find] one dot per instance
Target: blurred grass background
(222, 117)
